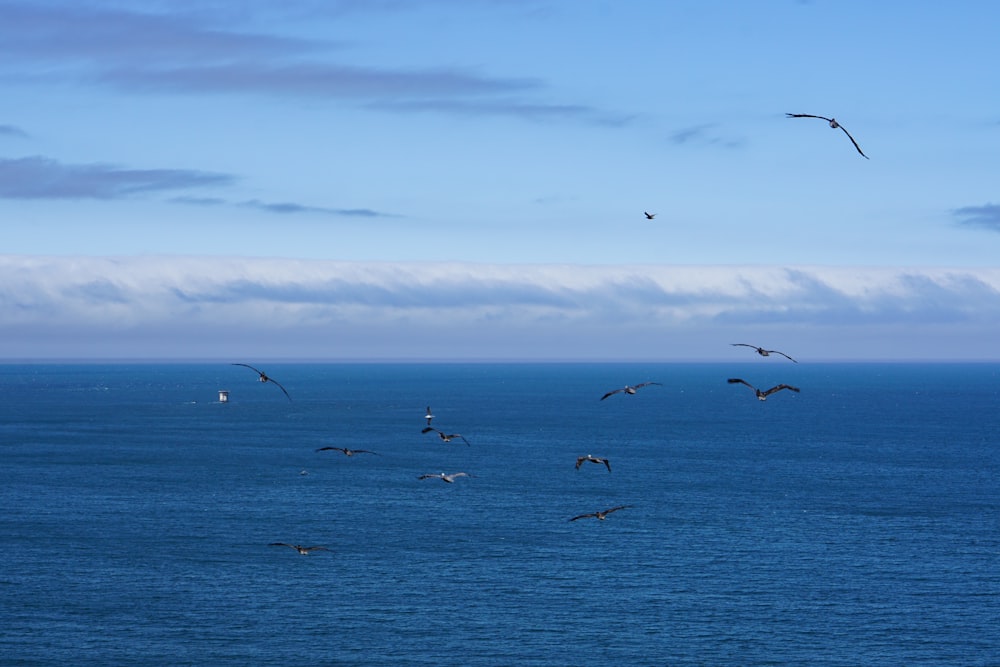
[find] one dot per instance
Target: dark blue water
(855, 523)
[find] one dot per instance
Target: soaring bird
(762, 352)
(649, 216)
(447, 478)
(600, 515)
(346, 451)
(629, 389)
(429, 416)
(302, 550)
(264, 378)
(762, 395)
(833, 123)
(445, 437)
(592, 459)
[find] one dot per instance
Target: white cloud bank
(225, 308)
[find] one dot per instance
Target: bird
(600, 515)
(264, 378)
(445, 437)
(764, 353)
(834, 124)
(592, 459)
(346, 451)
(447, 478)
(305, 551)
(762, 395)
(649, 216)
(429, 416)
(629, 389)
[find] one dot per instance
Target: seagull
(592, 459)
(649, 216)
(346, 451)
(833, 123)
(429, 416)
(446, 437)
(447, 478)
(302, 550)
(628, 389)
(265, 378)
(762, 395)
(600, 515)
(764, 353)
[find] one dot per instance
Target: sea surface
(854, 523)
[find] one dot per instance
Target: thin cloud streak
(39, 177)
(987, 216)
(282, 208)
(204, 307)
(12, 131)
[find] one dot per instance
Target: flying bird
(762, 395)
(833, 123)
(447, 478)
(592, 459)
(429, 416)
(264, 378)
(762, 352)
(346, 451)
(445, 437)
(649, 216)
(600, 515)
(629, 389)
(305, 551)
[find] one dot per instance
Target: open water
(854, 523)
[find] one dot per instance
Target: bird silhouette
(592, 459)
(305, 551)
(346, 451)
(445, 437)
(601, 514)
(762, 395)
(649, 216)
(629, 389)
(834, 124)
(264, 378)
(446, 478)
(762, 352)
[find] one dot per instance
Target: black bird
(764, 353)
(346, 451)
(762, 395)
(833, 123)
(305, 551)
(446, 437)
(429, 416)
(264, 378)
(629, 389)
(447, 478)
(649, 216)
(592, 459)
(600, 515)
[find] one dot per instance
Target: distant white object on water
(223, 396)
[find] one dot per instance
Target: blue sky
(466, 179)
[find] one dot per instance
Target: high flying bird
(264, 378)
(305, 551)
(629, 389)
(429, 416)
(447, 478)
(833, 123)
(762, 352)
(592, 459)
(346, 451)
(445, 437)
(600, 515)
(649, 216)
(762, 395)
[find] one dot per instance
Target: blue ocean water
(854, 523)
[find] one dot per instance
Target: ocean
(854, 523)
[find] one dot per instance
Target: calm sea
(854, 523)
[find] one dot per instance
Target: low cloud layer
(186, 307)
(986, 216)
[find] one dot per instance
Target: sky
(466, 179)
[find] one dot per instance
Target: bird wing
(459, 474)
(615, 509)
(606, 463)
(259, 372)
(326, 449)
(316, 549)
(428, 429)
(611, 393)
(584, 516)
(646, 384)
(738, 380)
(745, 345)
(281, 544)
(579, 461)
(428, 475)
(853, 142)
(270, 379)
(782, 354)
(779, 388)
(365, 451)
(807, 115)
(459, 435)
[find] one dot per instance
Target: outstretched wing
(316, 549)
(579, 461)
(739, 381)
(258, 371)
(779, 388)
(611, 393)
(745, 345)
(327, 449)
(853, 142)
(615, 509)
(282, 544)
(428, 476)
(458, 435)
(807, 115)
(584, 516)
(646, 384)
(270, 379)
(606, 463)
(428, 429)
(782, 354)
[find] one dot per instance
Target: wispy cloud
(183, 306)
(44, 178)
(282, 208)
(987, 216)
(12, 131)
(704, 134)
(512, 108)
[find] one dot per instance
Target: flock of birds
(449, 478)
(601, 515)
